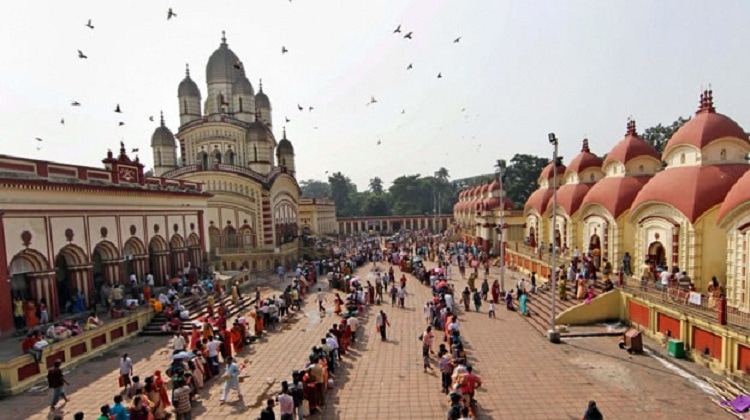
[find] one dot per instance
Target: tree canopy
(659, 135)
(314, 188)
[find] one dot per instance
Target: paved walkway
(524, 376)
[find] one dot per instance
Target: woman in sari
(581, 288)
(197, 369)
(157, 408)
(590, 295)
(161, 389)
(509, 301)
(236, 337)
(562, 288)
(714, 292)
(523, 300)
(337, 304)
(495, 291)
(29, 313)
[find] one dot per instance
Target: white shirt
(178, 343)
(126, 366)
(665, 278)
(449, 301)
(213, 348)
(321, 297)
(331, 341)
(352, 322)
(150, 279)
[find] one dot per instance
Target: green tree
(659, 135)
(314, 188)
(341, 188)
(375, 205)
(521, 177)
(376, 185)
(411, 194)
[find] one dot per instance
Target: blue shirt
(119, 412)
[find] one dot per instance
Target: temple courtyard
(523, 375)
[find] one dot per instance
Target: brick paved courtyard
(524, 376)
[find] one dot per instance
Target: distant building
(317, 216)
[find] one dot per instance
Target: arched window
(230, 157)
(240, 103)
(640, 168)
(723, 154)
(217, 157)
(203, 159)
(682, 158)
(158, 157)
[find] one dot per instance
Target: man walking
(56, 381)
(427, 337)
(321, 299)
(232, 376)
(181, 398)
(286, 402)
(381, 323)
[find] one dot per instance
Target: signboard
(695, 298)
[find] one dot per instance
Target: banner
(695, 298)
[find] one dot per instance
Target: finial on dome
(283, 132)
(707, 101)
(260, 84)
(585, 146)
(187, 70)
(631, 127)
(122, 148)
(223, 38)
(162, 118)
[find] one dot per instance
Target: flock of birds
(406, 35)
(75, 103)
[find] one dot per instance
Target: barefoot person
(56, 381)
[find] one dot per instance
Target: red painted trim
(78, 212)
(28, 370)
(130, 189)
(60, 171)
(17, 166)
(6, 311)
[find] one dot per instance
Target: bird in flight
(237, 65)
(326, 171)
(62, 121)
(408, 35)
(300, 107)
(75, 103)
(457, 40)
(403, 111)
(372, 100)
(440, 75)
(378, 142)
(171, 14)
(315, 128)
(463, 109)
(284, 50)
(287, 119)
(120, 123)
(409, 67)
(134, 151)
(151, 118)
(397, 30)
(310, 109)
(117, 109)
(89, 25)
(81, 55)
(38, 139)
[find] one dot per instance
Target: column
(675, 248)
(161, 268)
(81, 279)
(113, 271)
(44, 285)
(6, 311)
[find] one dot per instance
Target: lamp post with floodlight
(552, 334)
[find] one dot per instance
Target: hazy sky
(522, 69)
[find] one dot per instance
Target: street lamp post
(501, 233)
(552, 334)
(436, 203)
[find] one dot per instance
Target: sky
(521, 70)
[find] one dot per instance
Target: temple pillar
(44, 285)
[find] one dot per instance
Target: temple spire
(187, 70)
(223, 38)
(283, 133)
(162, 118)
(260, 84)
(585, 146)
(706, 101)
(631, 128)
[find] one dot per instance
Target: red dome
(700, 187)
(493, 203)
(584, 160)
(738, 195)
(706, 126)
(538, 200)
(570, 196)
(615, 194)
(547, 172)
(631, 147)
(485, 188)
(495, 186)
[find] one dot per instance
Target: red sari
(159, 384)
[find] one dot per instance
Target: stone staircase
(197, 310)
(540, 306)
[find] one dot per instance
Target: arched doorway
(230, 237)
(134, 259)
(157, 257)
(595, 247)
(72, 272)
(105, 268)
(177, 252)
(532, 237)
(31, 278)
(657, 254)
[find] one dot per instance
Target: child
(492, 309)
(137, 385)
